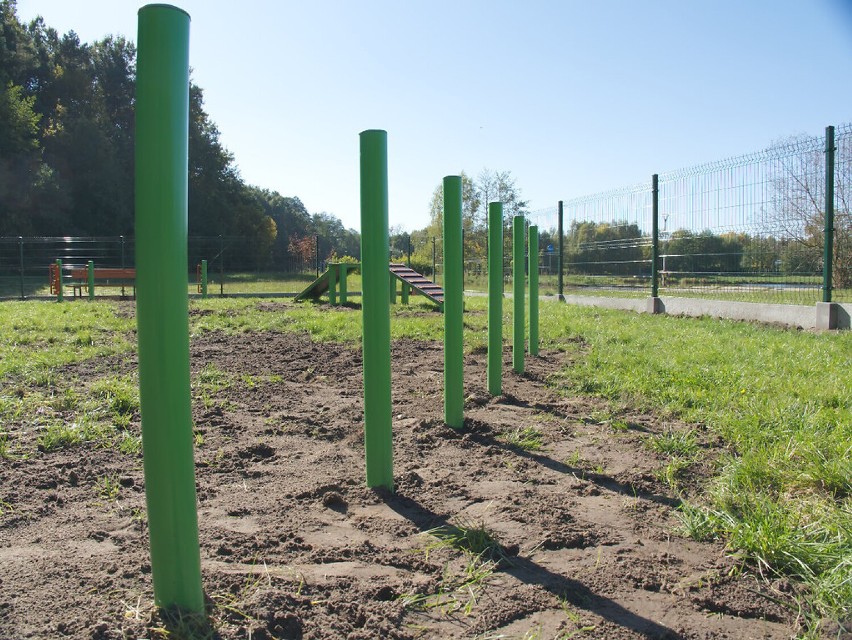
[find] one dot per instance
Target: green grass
(526, 438)
(781, 399)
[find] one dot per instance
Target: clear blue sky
(572, 97)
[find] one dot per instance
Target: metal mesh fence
(843, 215)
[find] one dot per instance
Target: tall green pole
(828, 249)
(375, 305)
(204, 279)
(518, 293)
(90, 279)
(495, 298)
(561, 261)
(59, 289)
(655, 235)
(533, 270)
(453, 304)
(162, 313)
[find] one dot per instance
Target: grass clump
(526, 438)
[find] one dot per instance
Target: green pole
(453, 304)
(59, 290)
(655, 235)
(533, 269)
(405, 293)
(495, 298)
(343, 273)
(90, 273)
(204, 279)
(162, 308)
(332, 283)
(375, 306)
(561, 262)
(392, 289)
(518, 293)
(828, 249)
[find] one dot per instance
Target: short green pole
(405, 292)
(162, 307)
(332, 283)
(375, 307)
(518, 293)
(59, 289)
(495, 298)
(561, 262)
(90, 273)
(453, 304)
(343, 273)
(392, 289)
(533, 269)
(828, 243)
(204, 279)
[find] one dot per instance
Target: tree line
(67, 152)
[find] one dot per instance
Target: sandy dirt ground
(293, 545)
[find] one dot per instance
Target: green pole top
(159, 6)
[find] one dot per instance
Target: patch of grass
(526, 438)
(108, 488)
(457, 592)
(675, 443)
(59, 435)
(468, 536)
(779, 399)
(121, 396)
(673, 471)
(130, 444)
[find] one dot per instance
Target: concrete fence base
(825, 315)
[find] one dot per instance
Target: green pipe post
(162, 131)
(655, 235)
(342, 274)
(332, 283)
(204, 279)
(518, 276)
(60, 289)
(533, 269)
(453, 304)
(392, 289)
(375, 307)
(495, 298)
(561, 261)
(90, 273)
(828, 248)
(405, 292)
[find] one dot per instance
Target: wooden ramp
(416, 281)
(419, 283)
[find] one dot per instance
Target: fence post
(59, 287)
(453, 304)
(533, 269)
(561, 262)
(391, 288)
(828, 253)
(375, 306)
(495, 298)
(21, 247)
(90, 268)
(518, 276)
(342, 273)
(162, 134)
(221, 266)
(655, 235)
(204, 279)
(122, 263)
(332, 283)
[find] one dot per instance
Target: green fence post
(162, 131)
(332, 283)
(392, 289)
(90, 279)
(533, 269)
(453, 304)
(518, 326)
(375, 306)
(204, 279)
(828, 249)
(561, 262)
(495, 298)
(655, 235)
(60, 288)
(342, 274)
(405, 292)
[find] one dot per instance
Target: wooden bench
(104, 276)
